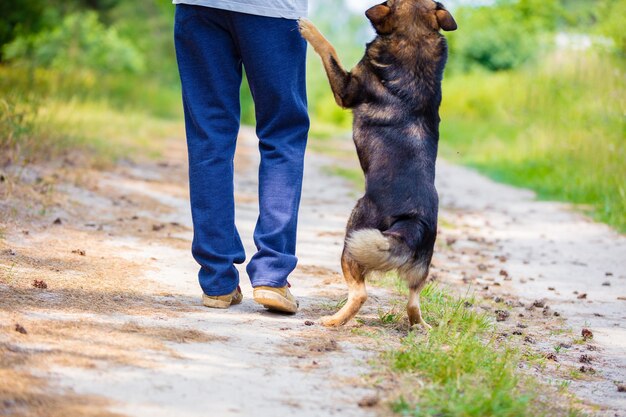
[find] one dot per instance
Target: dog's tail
(377, 251)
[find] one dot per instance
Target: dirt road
(118, 329)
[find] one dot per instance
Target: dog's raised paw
(310, 33)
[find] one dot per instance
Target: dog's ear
(444, 18)
(378, 15)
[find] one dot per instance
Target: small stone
(530, 339)
(606, 284)
(20, 329)
(587, 370)
(621, 388)
(539, 303)
(482, 267)
(584, 359)
(57, 221)
(502, 315)
(79, 252)
(39, 283)
(586, 334)
(369, 401)
(551, 356)
(309, 323)
(503, 273)
(582, 296)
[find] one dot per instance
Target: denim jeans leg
(210, 73)
(274, 57)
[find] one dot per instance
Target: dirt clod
(621, 388)
(582, 296)
(329, 345)
(157, 227)
(530, 339)
(587, 370)
(539, 303)
(606, 284)
(57, 221)
(309, 323)
(20, 329)
(503, 273)
(586, 334)
(584, 359)
(39, 283)
(551, 356)
(80, 252)
(502, 315)
(369, 401)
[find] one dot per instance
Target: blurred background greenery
(533, 93)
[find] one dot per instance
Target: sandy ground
(141, 344)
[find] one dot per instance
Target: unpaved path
(552, 254)
(119, 329)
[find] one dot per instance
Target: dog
(394, 93)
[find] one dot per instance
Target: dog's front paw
(306, 27)
(310, 33)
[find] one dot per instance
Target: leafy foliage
(79, 42)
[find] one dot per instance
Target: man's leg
(210, 72)
(274, 57)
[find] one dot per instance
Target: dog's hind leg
(416, 278)
(354, 275)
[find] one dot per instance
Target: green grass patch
(557, 128)
(461, 367)
(46, 115)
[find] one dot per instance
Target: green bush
(500, 36)
(79, 43)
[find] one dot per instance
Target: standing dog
(394, 93)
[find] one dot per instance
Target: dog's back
(395, 93)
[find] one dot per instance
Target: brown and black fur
(394, 93)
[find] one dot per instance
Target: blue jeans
(211, 47)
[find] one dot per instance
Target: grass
(557, 128)
(46, 115)
(461, 367)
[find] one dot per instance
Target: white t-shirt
(288, 9)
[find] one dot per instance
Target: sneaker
(223, 301)
(277, 299)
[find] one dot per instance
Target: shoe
(277, 299)
(223, 301)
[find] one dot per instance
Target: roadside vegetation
(464, 366)
(90, 78)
